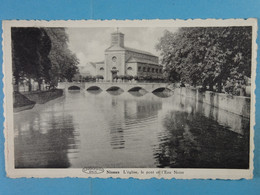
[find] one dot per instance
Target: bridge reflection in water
(130, 129)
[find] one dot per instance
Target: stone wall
(236, 104)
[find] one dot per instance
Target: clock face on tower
(114, 58)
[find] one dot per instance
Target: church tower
(115, 57)
(117, 39)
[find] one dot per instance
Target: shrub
(115, 77)
(99, 77)
(141, 78)
(130, 77)
(124, 77)
(136, 78)
(148, 78)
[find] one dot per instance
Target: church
(122, 60)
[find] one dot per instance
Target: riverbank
(41, 97)
(21, 102)
(239, 105)
(27, 100)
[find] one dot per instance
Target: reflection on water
(98, 91)
(218, 147)
(138, 93)
(122, 129)
(115, 92)
(44, 138)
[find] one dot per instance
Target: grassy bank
(27, 100)
(21, 102)
(41, 97)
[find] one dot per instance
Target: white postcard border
(140, 173)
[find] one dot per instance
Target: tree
(30, 50)
(99, 77)
(42, 54)
(141, 78)
(206, 56)
(129, 77)
(64, 62)
(121, 77)
(115, 77)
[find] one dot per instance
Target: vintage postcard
(141, 98)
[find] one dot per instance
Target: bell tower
(115, 56)
(117, 39)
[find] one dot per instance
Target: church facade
(122, 60)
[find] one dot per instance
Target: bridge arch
(163, 92)
(74, 87)
(114, 88)
(137, 88)
(161, 89)
(93, 88)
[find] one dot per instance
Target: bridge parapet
(126, 86)
(67, 85)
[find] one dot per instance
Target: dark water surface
(110, 129)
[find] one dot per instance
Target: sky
(89, 44)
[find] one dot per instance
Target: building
(121, 60)
(89, 69)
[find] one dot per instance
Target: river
(128, 130)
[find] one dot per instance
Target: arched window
(152, 69)
(144, 69)
(156, 70)
(129, 71)
(114, 58)
(139, 68)
(101, 68)
(148, 69)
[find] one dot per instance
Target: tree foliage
(64, 62)
(30, 50)
(42, 54)
(207, 55)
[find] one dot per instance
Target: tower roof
(117, 44)
(118, 48)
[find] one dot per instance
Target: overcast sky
(89, 44)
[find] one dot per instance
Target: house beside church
(122, 60)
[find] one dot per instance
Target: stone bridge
(125, 86)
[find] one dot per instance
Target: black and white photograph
(109, 99)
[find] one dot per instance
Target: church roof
(139, 51)
(118, 48)
(134, 59)
(115, 48)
